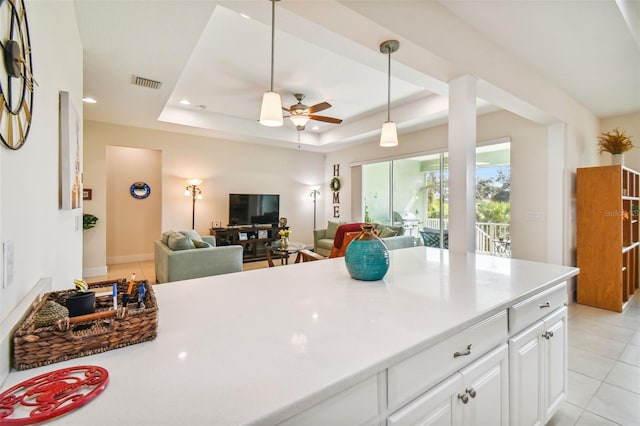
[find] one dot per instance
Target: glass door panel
(376, 190)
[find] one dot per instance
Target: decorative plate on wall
(140, 190)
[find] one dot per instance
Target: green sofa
(185, 255)
(393, 237)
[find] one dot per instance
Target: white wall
(47, 241)
(528, 172)
(226, 167)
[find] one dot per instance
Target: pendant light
(271, 111)
(389, 134)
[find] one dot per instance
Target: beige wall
(133, 224)
(47, 240)
(226, 167)
(528, 172)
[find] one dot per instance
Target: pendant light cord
(273, 35)
(389, 87)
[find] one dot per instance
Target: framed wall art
(71, 193)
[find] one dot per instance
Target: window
(414, 193)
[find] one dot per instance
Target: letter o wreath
(335, 184)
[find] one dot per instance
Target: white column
(556, 136)
(462, 164)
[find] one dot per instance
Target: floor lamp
(314, 194)
(196, 194)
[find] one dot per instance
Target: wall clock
(140, 190)
(16, 74)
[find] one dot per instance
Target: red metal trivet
(51, 394)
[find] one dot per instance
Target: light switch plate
(535, 217)
(7, 263)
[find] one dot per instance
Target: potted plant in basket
(616, 143)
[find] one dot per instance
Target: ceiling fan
(301, 113)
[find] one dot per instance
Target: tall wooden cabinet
(608, 203)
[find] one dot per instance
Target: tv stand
(251, 238)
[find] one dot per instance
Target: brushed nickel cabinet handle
(544, 305)
(471, 392)
(547, 334)
(463, 397)
(463, 353)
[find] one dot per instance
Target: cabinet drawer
(408, 378)
(525, 313)
(354, 406)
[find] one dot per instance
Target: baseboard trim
(95, 272)
(127, 259)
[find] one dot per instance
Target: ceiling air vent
(145, 82)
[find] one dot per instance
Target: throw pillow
(177, 241)
(165, 236)
(387, 232)
(332, 227)
(192, 234)
(399, 230)
(200, 244)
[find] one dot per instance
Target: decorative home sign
(335, 188)
(70, 155)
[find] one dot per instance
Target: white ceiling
(208, 53)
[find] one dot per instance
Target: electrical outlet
(7, 263)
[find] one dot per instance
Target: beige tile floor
(604, 358)
(604, 367)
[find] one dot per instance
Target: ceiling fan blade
(325, 119)
(319, 107)
(286, 109)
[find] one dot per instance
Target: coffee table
(274, 247)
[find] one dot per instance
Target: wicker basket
(101, 331)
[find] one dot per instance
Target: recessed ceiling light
(315, 128)
(245, 16)
(185, 102)
(89, 100)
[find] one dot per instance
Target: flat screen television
(254, 209)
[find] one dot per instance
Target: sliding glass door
(414, 193)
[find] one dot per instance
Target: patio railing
(491, 238)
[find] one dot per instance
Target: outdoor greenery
(492, 197)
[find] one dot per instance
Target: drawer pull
(471, 392)
(463, 353)
(544, 305)
(463, 397)
(547, 334)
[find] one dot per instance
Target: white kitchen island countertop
(260, 346)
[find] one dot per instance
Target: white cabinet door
(437, 407)
(555, 360)
(486, 382)
(526, 376)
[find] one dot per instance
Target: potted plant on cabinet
(616, 143)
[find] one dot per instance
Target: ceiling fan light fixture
(389, 134)
(299, 120)
(271, 111)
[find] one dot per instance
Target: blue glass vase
(367, 258)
